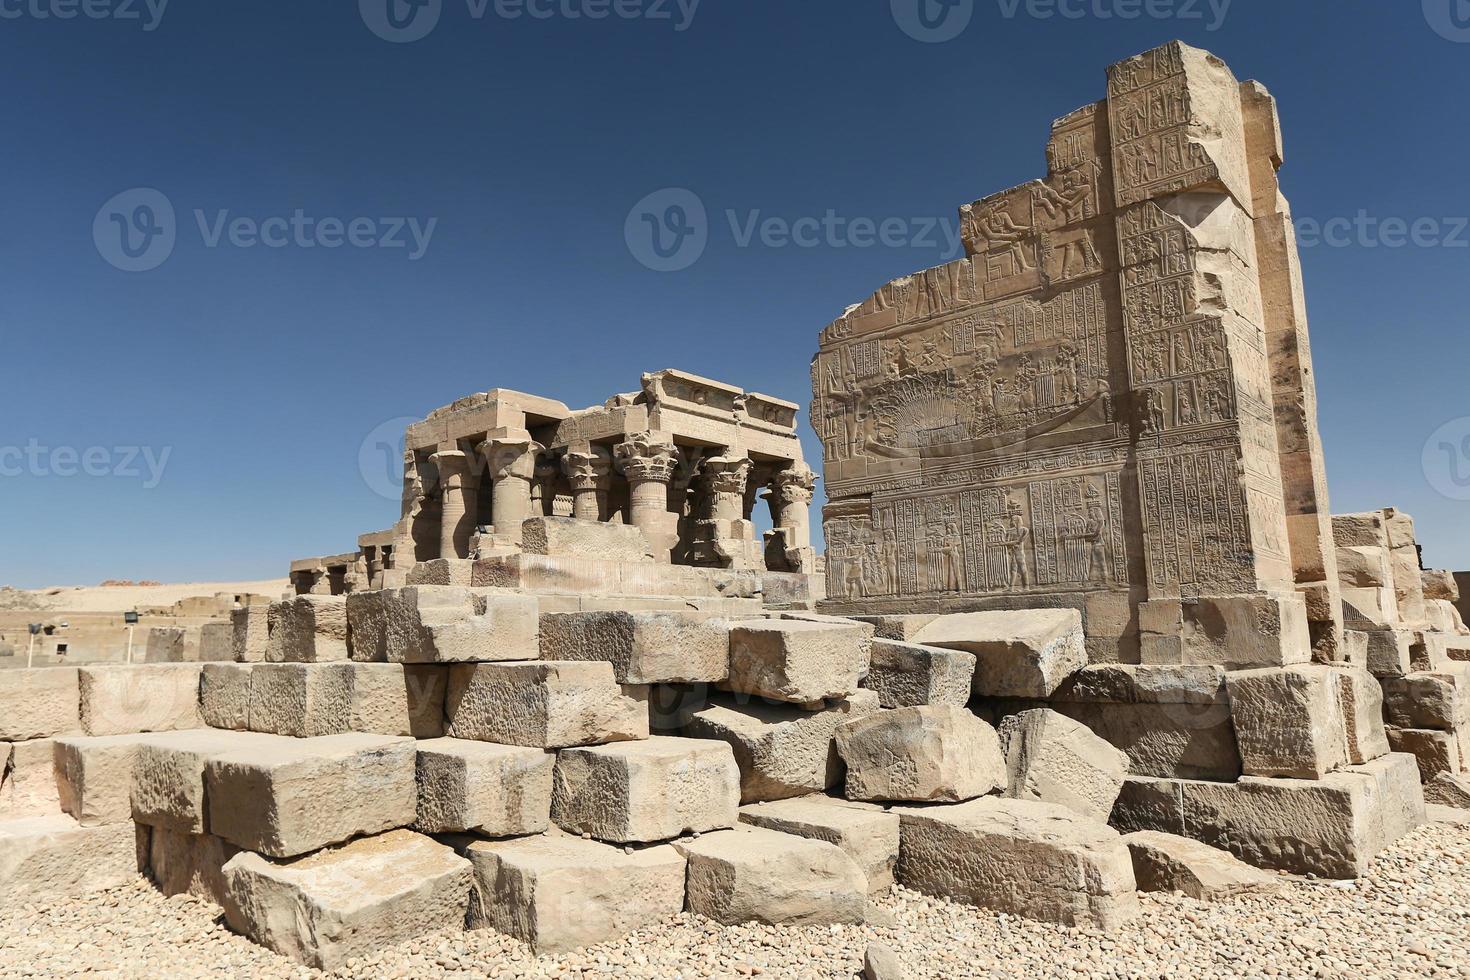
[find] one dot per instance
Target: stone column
(590, 474)
(459, 499)
(724, 486)
(512, 467)
(791, 501)
(648, 462)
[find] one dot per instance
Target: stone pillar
(724, 480)
(512, 466)
(648, 462)
(590, 474)
(791, 501)
(459, 498)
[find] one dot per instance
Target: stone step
(1023, 653)
(643, 647)
(307, 629)
(39, 703)
(483, 788)
(122, 700)
(53, 858)
(308, 700)
(936, 754)
(442, 624)
(755, 875)
(866, 833)
(544, 705)
(798, 661)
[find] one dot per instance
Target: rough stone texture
(442, 624)
(251, 633)
(783, 751)
(1448, 790)
(53, 858)
(1436, 752)
(121, 700)
(865, 832)
(756, 875)
(168, 775)
(907, 675)
(1389, 652)
(1288, 721)
(797, 661)
(1051, 758)
(1238, 632)
(307, 700)
(1169, 863)
(308, 629)
(1432, 699)
(1360, 701)
(39, 703)
(1037, 860)
(29, 787)
(189, 864)
(565, 537)
(285, 798)
(544, 705)
(558, 893)
(348, 901)
(224, 696)
(643, 647)
(937, 753)
(646, 791)
(480, 787)
(94, 776)
(881, 963)
(1019, 653)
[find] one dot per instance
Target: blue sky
(252, 375)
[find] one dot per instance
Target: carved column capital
(510, 459)
(453, 466)
(796, 484)
(588, 472)
(645, 458)
(725, 474)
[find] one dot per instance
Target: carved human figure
(1095, 531)
(951, 562)
(1017, 536)
(1003, 235)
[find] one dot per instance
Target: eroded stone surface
(1022, 653)
(1169, 863)
(865, 832)
(1054, 759)
(756, 875)
(643, 647)
(908, 675)
(544, 705)
(495, 790)
(797, 661)
(937, 753)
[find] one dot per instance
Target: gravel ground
(1410, 918)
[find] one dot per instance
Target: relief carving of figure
(1153, 411)
(1002, 234)
(1095, 531)
(951, 560)
(1015, 537)
(1187, 414)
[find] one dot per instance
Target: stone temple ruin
(1089, 626)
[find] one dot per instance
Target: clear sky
(234, 406)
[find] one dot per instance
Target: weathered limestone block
(1037, 860)
(559, 893)
(1438, 699)
(865, 832)
(483, 788)
(1440, 585)
(224, 696)
(1448, 790)
(647, 791)
(937, 753)
(907, 675)
(903, 629)
(168, 775)
(143, 698)
(1169, 863)
(1051, 758)
(643, 647)
(284, 798)
(53, 858)
(189, 864)
(94, 776)
(1025, 653)
(1288, 721)
(545, 705)
(251, 633)
(30, 786)
(1442, 616)
(782, 751)
(1360, 701)
(39, 703)
(307, 700)
(398, 699)
(442, 624)
(755, 875)
(349, 901)
(165, 645)
(1364, 567)
(1373, 608)
(797, 661)
(308, 629)
(566, 537)
(1390, 652)
(1403, 556)
(1436, 752)
(216, 643)
(1239, 632)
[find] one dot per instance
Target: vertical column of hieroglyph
(1294, 386)
(1208, 464)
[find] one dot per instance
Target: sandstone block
(282, 799)
(1436, 752)
(53, 858)
(480, 787)
(880, 962)
(348, 901)
(566, 537)
(1438, 699)
(1288, 721)
(866, 833)
(1440, 585)
(1169, 863)
(1449, 790)
(1037, 860)
(1370, 608)
(307, 629)
(756, 875)
(783, 751)
(796, 661)
(559, 893)
(251, 633)
(168, 775)
(189, 864)
(1019, 653)
(544, 705)
(143, 698)
(1239, 632)
(1364, 567)
(39, 703)
(900, 628)
(643, 647)
(646, 791)
(30, 786)
(217, 643)
(1360, 701)
(442, 624)
(937, 753)
(307, 700)
(1051, 758)
(224, 695)
(94, 776)
(1390, 652)
(907, 675)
